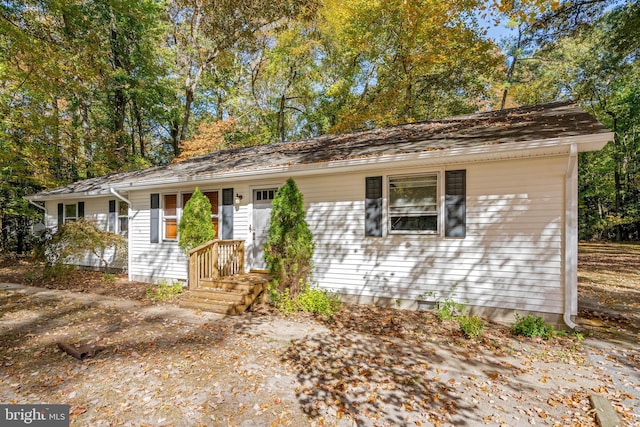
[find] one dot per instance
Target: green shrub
(319, 301)
(195, 226)
(75, 239)
(449, 309)
(311, 300)
(471, 326)
(108, 277)
(288, 251)
(532, 326)
(165, 291)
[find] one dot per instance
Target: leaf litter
(369, 366)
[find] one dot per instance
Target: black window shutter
(154, 231)
(60, 213)
(455, 203)
(373, 207)
(80, 209)
(227, 214)
(111, 221)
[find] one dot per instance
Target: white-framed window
(414, 205)
(70, 212)
(118, 221)
(170, 216)
(123, 217)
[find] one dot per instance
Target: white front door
(262, 199)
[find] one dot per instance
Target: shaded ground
(370, 366)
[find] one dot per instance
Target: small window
(70, 212)
(123, 217)
(413, 203)
(169, 216)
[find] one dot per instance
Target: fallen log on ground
(80, 353)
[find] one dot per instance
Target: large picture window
(413, 203)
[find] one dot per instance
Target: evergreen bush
(289, 248)
(195, 226)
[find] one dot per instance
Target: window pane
(170, 229)
(185, 198)
(415, 223)
(70, 211)
(124, 224)
(214, 221)
(123, 209)
(413, 203)
(170, 203)
(213, 199)
(417, 194)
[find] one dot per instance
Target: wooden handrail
(215, 259)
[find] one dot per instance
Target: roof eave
(480, 153)
(489, 152)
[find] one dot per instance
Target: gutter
(128, 202)
(571, 237)
(119, 196)
(43, 208)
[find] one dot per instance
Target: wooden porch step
(228, 295)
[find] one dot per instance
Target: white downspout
(44, 208)
(571, 238)
(128, 202)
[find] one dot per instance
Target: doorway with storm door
(262, 200)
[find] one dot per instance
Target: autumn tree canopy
(89, 87)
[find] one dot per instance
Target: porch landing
(226, 295)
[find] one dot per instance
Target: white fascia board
(488, 152)
(70, 196)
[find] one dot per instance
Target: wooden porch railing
(215, 259)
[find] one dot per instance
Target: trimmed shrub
(195, 226)
(289, 248)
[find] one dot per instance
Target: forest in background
(90, 87)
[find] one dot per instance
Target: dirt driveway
(160, 365)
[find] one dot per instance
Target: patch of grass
(108, 277)
(532, 326)
(165, 291)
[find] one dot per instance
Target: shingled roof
(494, 128)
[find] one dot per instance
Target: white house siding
(96, 210)
(511, 257)
(165, 260)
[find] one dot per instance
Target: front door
(262, 199)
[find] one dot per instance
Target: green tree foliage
(76, 239)
(289, 248)
(195, 226)
(402, 61)
(597, 65)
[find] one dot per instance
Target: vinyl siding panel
(511, 256)
(165, 260)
